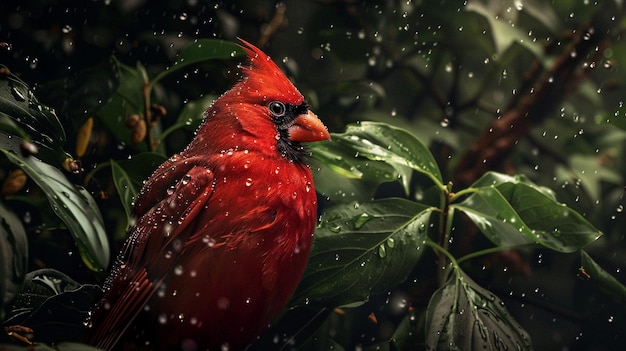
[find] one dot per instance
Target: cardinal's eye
(277, 108)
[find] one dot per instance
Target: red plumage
(223, 229)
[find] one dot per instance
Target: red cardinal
(223, 229)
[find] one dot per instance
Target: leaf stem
(443, 235)
(490, 251)
(441, 250)
(93, 172)
(461, 193)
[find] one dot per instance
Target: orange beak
(308, 127)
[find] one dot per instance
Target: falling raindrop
(162, 319)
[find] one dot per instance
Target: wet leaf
(380, 142)
(359, 176)
(602, 278)
(202, 50)
(363, 249)
(13, 256)
(462, 315)
(125, 187)
(73, 204)
(26, 114)
(129, 175)
(496, 218)
(512, 211)
(53, 304)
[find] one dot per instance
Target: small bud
(14, 182)
(132, 120)
(82, 139)
(139, 132)
(70, 165)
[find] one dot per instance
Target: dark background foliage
(526, 87)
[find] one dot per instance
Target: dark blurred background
(528, 87)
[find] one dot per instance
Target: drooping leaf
(602, 278)
(73, 204)
(125, 187)
(505, 207)
(462, 315)
(363, 249)
(380, 142)
(202, 50)
(54, 305)
(13, 256)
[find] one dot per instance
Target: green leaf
(191, 116)
(504, 33)
(496, 218)
(405, 336)
(462, 315)
(129, 175)
(202, 50)
(375, 141)
(505, 207)
(125, 187)
(19, 104)
(602, 278)
(363, 249)
(360, 177)
(127, 100)
(590, 170)
(13, 256)
(494, 179)
(73, 204)
(54, 305)
(543, 13)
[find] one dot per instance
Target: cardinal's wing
(157, 237)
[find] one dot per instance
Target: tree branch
(538, 100)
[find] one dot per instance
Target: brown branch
(277, 21)
(538, 100)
